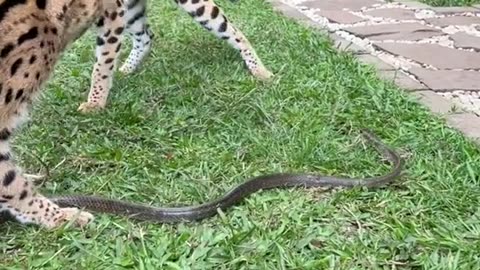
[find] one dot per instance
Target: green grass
(448, 3)
(195, 123)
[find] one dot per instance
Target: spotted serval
(34, 33)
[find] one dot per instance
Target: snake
(198, 212)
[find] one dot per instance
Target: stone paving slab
(435, 55)
(436, 103)
(291, 12)
(468, 123)
(345, 45)
(448, 80)
(375, 61)
(392, 13)
(432, 52)
(402, 80)
(454, 20)
(404, 31)
(340, 16)
(340, 4)
(466, 41)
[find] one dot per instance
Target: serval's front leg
(18, 195)
(109, 40)
(212, 18)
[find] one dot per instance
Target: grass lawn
(193, 123)
(447, 3)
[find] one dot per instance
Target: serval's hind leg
(212, 18)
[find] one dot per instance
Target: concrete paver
(340, 4)
(392, 13)
(402, 31)
(402, 80)
(430, 54)
(448, 80)
(454, 20)
(466, 41)
(340, 16)
(372, 60)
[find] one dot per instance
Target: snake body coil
(191, 213)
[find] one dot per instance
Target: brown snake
(191, 213)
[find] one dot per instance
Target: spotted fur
(33, 34)
(134, 22)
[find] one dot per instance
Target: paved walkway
(433, 52)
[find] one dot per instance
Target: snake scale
(237, 194)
